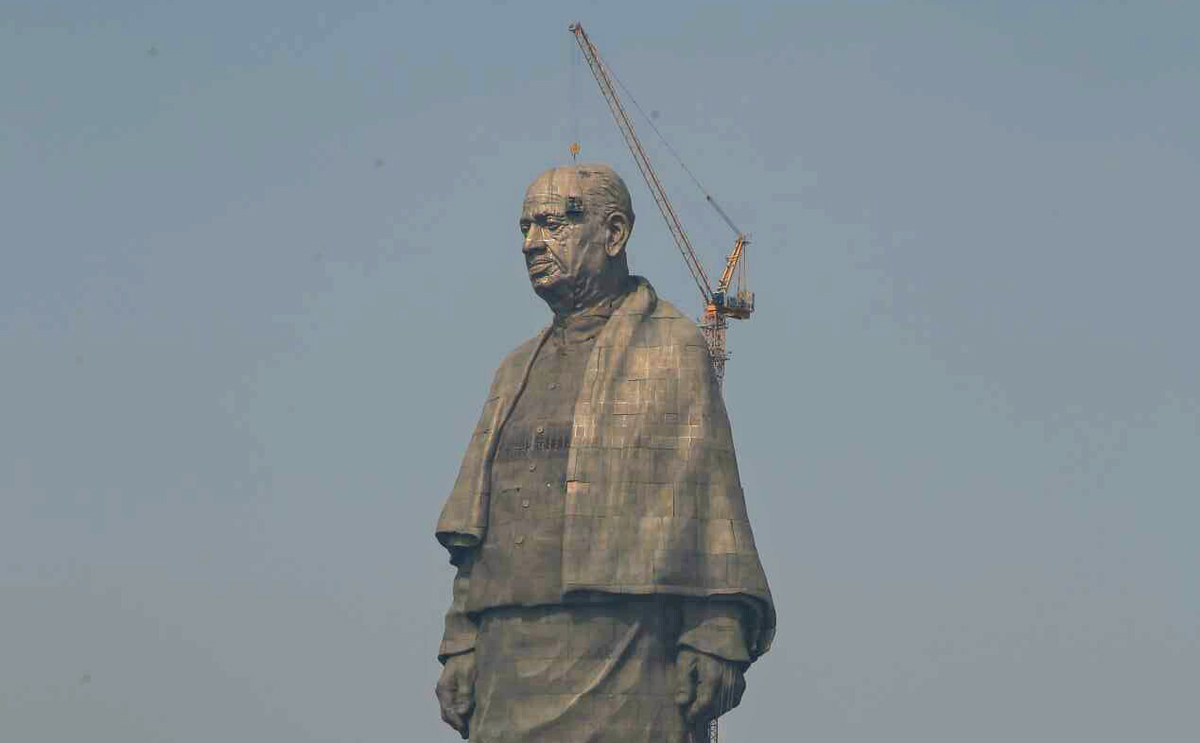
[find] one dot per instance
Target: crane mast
(717, 305)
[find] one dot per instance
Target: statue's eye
(524, 227)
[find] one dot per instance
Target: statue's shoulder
(669, 324)
(675, 328)
(669, 314)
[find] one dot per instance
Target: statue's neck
(595, 297)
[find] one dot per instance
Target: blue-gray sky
(261, 259)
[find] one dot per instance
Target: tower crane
(719, 304)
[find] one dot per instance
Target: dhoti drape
(591, 673)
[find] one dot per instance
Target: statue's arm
(715, 627)
(460, 632)
(455, 688)
(712, 661)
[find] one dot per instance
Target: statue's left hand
(708, 686)
(456, 692)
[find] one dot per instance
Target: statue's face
(564, 239)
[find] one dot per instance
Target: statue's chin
(554, 291)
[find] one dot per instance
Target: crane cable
(707, 196)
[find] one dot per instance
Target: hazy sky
(260, 261)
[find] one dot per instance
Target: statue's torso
(519, 562)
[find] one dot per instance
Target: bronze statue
(608, 586)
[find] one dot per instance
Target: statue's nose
(534, 240)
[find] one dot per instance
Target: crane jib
(719, 304)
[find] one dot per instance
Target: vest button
(520, 539)
(532, 466)
(553, 385)
(541, 429)
(525, 503)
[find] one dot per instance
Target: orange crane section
(718, 305)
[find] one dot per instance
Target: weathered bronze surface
(608, 585)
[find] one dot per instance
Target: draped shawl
(653, 502)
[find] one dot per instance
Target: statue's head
(576, 221)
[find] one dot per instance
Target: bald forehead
(552, 191)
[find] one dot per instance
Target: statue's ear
(616, 233)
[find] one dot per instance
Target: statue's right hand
(456, 691)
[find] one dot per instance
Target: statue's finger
(463, 704)
(446, 701)
(444, 694)
(739, 688)
(685, 679)
(702, 707)
(453, 719)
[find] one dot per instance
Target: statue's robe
(642, 528)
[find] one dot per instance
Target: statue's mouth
(541, 268)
